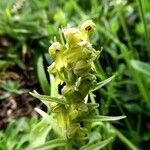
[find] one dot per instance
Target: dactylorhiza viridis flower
(73, 66)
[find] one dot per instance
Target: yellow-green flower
(73, 37)
(87, 29)
(55, 49)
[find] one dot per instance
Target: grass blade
(141, 66)
(142, 15)
(126, 141)
(42, 76)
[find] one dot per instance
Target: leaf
(50, 120)
(39, 133)
(3, 63)
(51, 144)
(4, 95)
(102, 83)
(10, 86)
(98, 145)
(102, 118)
(20, 63)
(42, 76)
(16, 135)
(141, 66)
(48, 98)
(94, 136)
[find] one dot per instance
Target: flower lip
(87, 26)
(55, 48)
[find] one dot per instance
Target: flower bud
(72, 36)
(89, 80)
(82, 68)
(78, 109)
(71, 93)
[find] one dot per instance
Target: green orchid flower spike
(72, 116)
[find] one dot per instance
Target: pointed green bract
(51, 144)
(102, 118)
(48, 98)
(97, 145)
(103, 83)
(39, 133)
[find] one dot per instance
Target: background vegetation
(123, 31)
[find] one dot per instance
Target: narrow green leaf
(48, 98)
(98, 145)
(102, 118)
(50, 120)
(141, 66)
(42, 76)
(51, 144)
(102, 83)
(54, 86)
(5, 95)
(39, 132)
(125, 140)
(21, 31)
(3, 63)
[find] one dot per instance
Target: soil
(15, 107)
(18, 105)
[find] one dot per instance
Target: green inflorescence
(73, 66)
(71, 114)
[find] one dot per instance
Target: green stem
(77, 9)
(99, 70)
(126, 119)
(125, 140)
(68, 146)
(139, 122)
(127, 35)
(144, 23)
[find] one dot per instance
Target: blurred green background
(28, 27)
